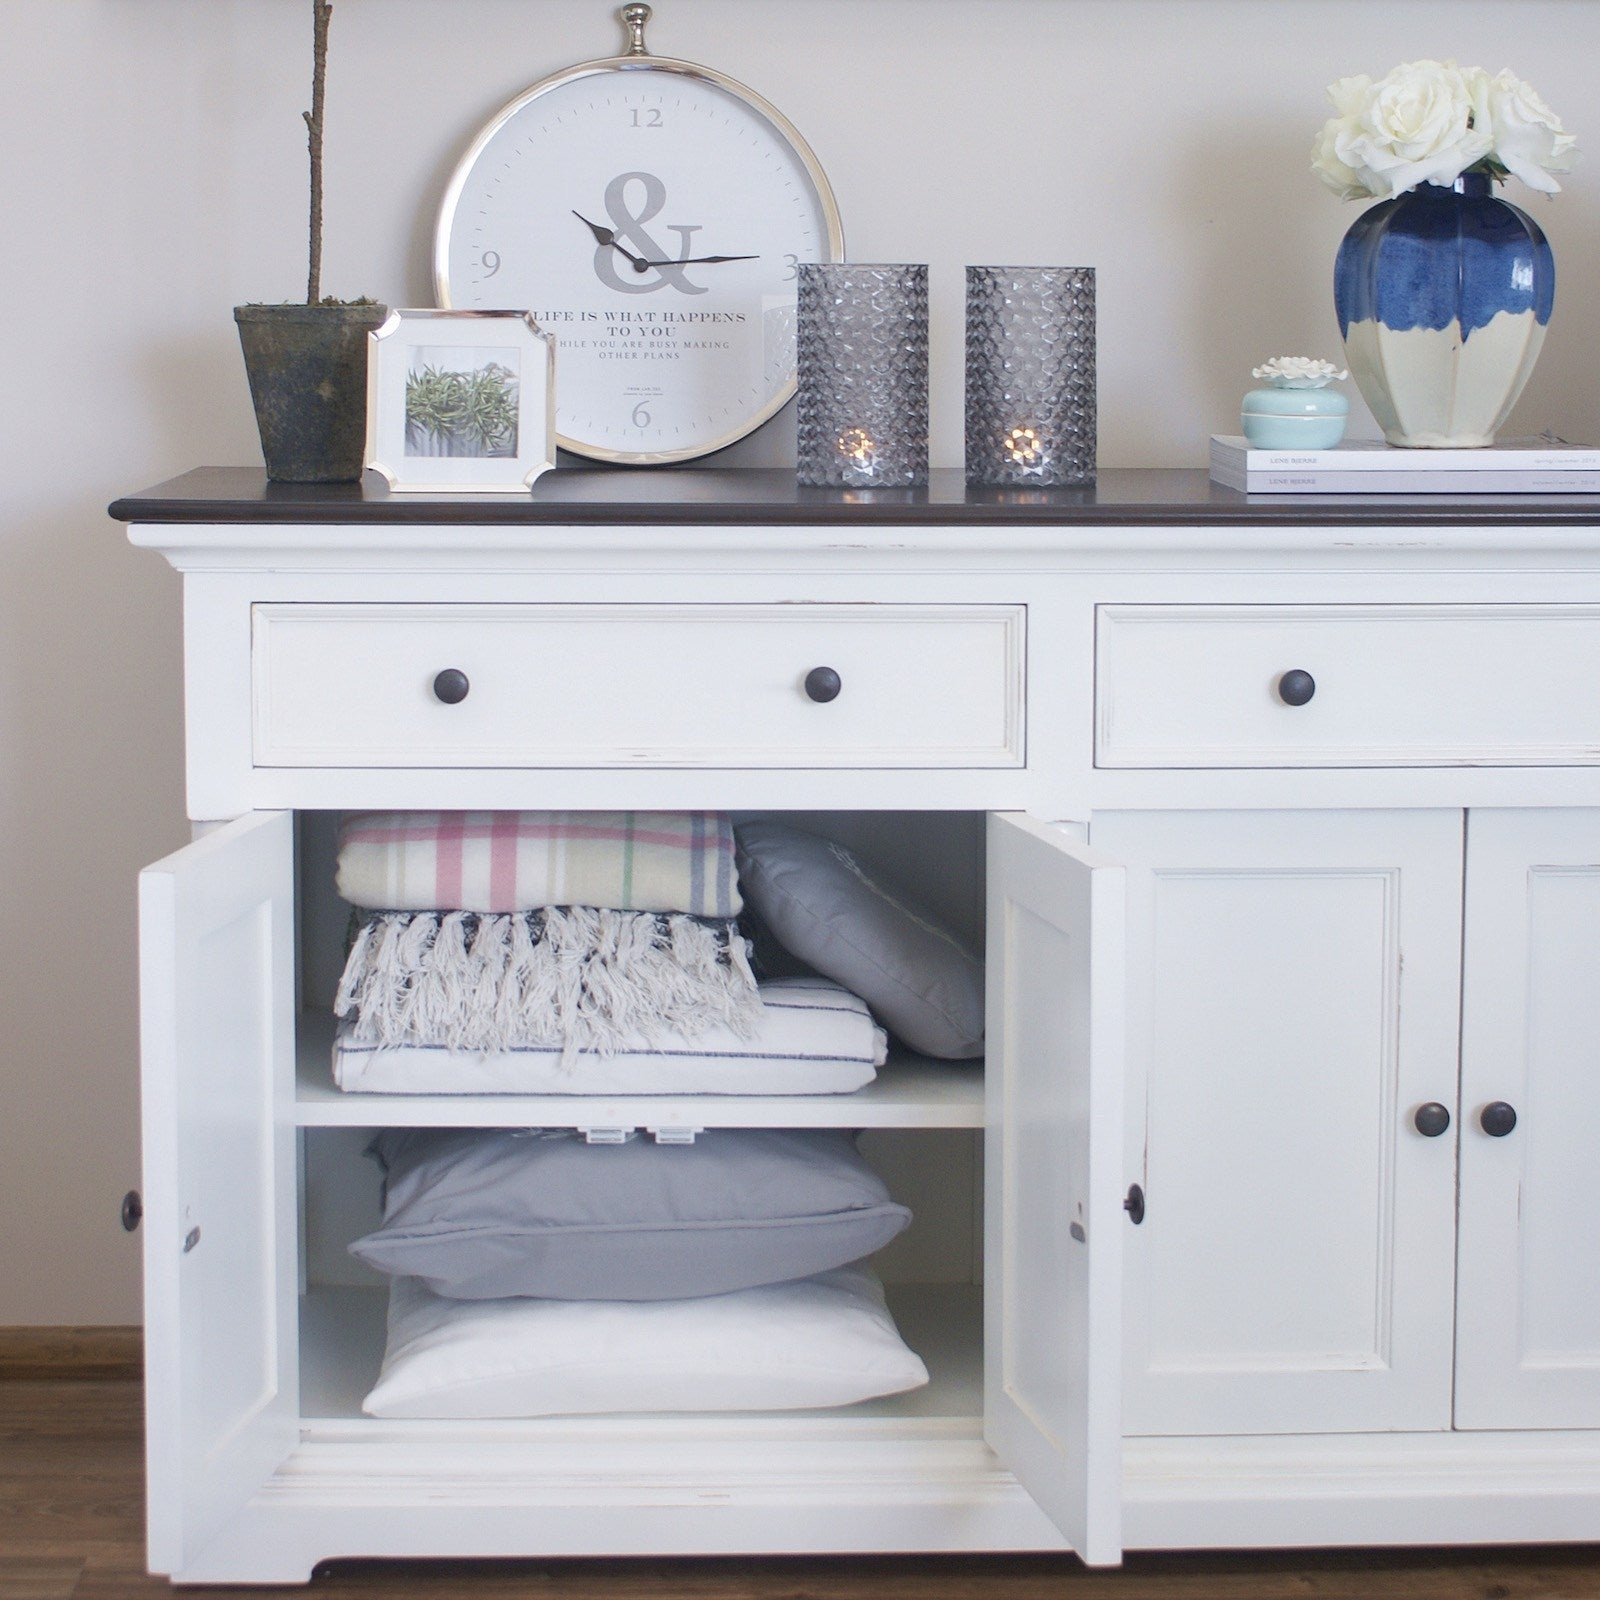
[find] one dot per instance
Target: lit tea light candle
(1023, 446)
(858, 447)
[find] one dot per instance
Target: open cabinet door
(217, 1026)
(1053, 1178)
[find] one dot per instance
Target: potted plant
(307, 364)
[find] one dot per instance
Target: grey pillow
(841, 917)
(483, 1213)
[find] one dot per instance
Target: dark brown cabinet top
(770, 496)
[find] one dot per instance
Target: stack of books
(1543, 465)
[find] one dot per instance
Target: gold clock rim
(688, 69)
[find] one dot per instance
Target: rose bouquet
(1430, 121)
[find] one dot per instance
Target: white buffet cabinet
(1269, 1218)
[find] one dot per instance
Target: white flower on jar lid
(1298, 372)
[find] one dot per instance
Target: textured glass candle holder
(1030, 413)
(861, 355)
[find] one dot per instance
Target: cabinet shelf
(910, 1091)
(342, 1339)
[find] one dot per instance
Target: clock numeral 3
(649, 117)
(792, 262)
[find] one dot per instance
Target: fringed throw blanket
(581, 977)
(523, 860)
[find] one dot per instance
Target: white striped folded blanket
(523, 860)
(813, 1037)
(575, 977)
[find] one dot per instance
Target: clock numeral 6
(641, 415)
(491, 263)
(649, 117)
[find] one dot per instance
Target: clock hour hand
(604, 236)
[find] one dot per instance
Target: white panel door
(1053, 1178)
(1528, 1303)
(1293, 993)
(217, 1024)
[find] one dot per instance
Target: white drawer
(1199, 686)
(638, 686)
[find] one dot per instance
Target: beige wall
(153, 177)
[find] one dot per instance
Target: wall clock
(653, 215)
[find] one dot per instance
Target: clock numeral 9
(649, 117)
(491, 263)
(641, 415)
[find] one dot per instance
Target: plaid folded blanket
(524, 860)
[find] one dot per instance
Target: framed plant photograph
(460, 401)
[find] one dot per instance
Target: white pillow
(822, 1341)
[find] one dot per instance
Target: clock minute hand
(695, 261)
(604, 236)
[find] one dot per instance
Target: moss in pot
(307, 364)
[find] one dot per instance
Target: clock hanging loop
(634, 18)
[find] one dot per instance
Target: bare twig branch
(321, 15)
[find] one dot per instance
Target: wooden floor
(71, 1508)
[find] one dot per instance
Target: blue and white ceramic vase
(1443, 295)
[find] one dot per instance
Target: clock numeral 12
(649, 117)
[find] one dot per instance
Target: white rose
(1349, 97)
(1415, 126)
(1344, 180)
(1527, 137)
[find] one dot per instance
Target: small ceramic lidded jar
(1296, 410)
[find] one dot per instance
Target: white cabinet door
(1293, 993)
(1053, 1178)
(217, 1023)
(1528, 1340)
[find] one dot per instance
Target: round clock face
(653, 216)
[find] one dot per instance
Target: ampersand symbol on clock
(630, 225)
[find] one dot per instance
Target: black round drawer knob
(823, 684)
(1431, 1120)
(1497, 1119)
(451, 686)
(1296, 687)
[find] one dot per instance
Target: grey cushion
(486, 1213)
(840, 916)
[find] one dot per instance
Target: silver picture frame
(460, 402)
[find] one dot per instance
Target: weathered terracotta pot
(308, 377)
